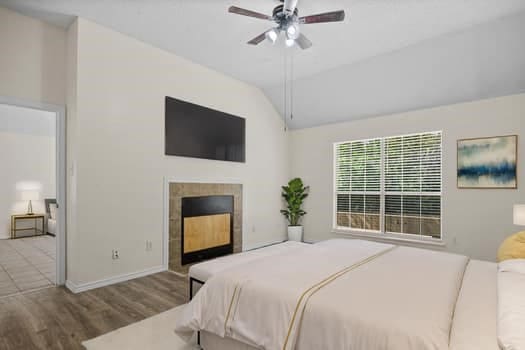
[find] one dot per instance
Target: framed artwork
(489, 162)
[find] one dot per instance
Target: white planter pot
(295, 233)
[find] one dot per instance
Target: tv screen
(200, 132)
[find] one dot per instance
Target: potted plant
(294, 195)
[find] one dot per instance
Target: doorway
(32, 196)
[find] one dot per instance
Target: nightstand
(24, 217)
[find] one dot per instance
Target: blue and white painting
(488, 162)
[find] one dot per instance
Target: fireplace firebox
(206, 227)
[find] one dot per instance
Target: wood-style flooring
(55, 318)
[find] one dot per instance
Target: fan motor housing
(278, 13)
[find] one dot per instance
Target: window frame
(382, 233)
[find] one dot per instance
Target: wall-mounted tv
(200, 132)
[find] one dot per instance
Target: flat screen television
(200, 132)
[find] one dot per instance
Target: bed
(51, 222)
(475, 318)
(201, 272)
(371, 298)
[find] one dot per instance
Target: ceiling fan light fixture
(271, 35)
(292, 32)
(286, 16)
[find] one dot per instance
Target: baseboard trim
(79, 288)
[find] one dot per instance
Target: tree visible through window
(390, 185)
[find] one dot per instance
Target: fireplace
(206, 227)
(192, 194)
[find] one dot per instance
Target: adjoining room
(27, 199)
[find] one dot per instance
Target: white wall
(32, 59)
(474, 221)
(27, 159)
(116, 156)
(71, 177)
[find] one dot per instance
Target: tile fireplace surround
(179, 190)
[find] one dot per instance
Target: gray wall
(474, 221)
(484, 61)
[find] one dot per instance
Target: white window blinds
(390, 185)
(358, 177)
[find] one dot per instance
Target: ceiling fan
(287, 18)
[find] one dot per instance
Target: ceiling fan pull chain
(285, 91)
(291, 85)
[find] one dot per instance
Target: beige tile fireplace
(215, 230)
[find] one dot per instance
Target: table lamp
(30, 195)
(513, 247)
(519, 214)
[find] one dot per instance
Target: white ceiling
(21, 120)
(203, 31)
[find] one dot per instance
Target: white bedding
(374, 299)
(210, 341)
(474, 326)
(203, 271)
(511, 305)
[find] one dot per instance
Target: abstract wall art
(489, 162)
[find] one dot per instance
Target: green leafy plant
(294, 195)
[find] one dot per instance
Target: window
(389, 185)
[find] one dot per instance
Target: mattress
(475, 318)
(203, 271)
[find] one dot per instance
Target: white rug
(154, 333)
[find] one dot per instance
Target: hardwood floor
(55, 318)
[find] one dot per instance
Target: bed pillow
(513, 265)
(513, 247)
(511, 310)
(53, 211)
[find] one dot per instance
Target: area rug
(154, 333)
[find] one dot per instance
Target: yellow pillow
(513, 247)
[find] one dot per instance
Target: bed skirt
(210, 341)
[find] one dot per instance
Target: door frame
(60, 112)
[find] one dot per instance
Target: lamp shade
(519, 214)
(29, 195)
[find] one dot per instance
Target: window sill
(386, 237)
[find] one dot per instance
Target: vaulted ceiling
(388, 56)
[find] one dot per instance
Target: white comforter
(343, 294)
(511, 304)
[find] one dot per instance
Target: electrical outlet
(149, 246)
(115, 254)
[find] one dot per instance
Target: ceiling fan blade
(336, 16)
(303, 42)
(249, 13)
(289, 7)
(258, 39)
